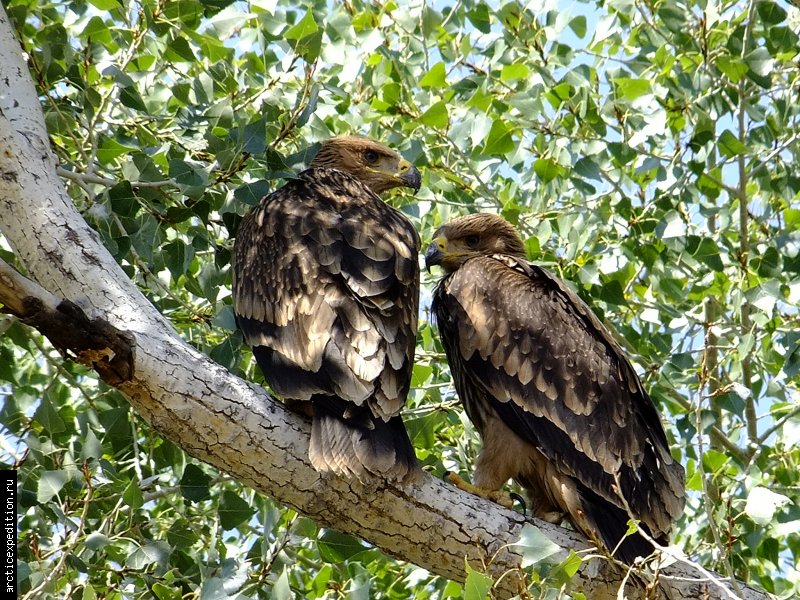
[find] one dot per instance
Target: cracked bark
(230, 423)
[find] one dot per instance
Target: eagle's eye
(370, 156)
(472, 240)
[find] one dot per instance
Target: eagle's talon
(496, 496)
(517, 498)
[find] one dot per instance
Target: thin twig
(66, 550)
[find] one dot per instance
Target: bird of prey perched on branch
(325, 290)
(558, 406)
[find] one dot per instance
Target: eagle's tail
(354, 442)
(609, 522)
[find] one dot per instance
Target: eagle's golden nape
(558, 406)
(325, 291)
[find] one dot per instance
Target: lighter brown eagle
(558, 406)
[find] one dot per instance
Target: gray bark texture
(235, 425)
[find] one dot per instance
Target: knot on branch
(91, 342)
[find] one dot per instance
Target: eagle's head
(373, 164)
(472, 235)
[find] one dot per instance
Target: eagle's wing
(325, 289)
(525, 343)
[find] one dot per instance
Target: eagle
(558, 406)
(325, 290)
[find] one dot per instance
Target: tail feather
(359, 444)
(610, 523)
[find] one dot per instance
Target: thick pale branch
(15, 288)
(232, 424)
(92, 342)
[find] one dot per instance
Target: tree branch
(751, 417)
(234, 425)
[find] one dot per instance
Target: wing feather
(527, 345)
(328, 282)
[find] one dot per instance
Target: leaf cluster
(645, 149)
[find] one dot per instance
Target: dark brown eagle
(325, 290)
(558, 406)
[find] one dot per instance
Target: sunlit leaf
(476, 585)
(436, 116)
(435, 78)
(50, 484)
(762, 504)
(535, 546)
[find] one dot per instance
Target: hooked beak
(435, 253)
(411, 176)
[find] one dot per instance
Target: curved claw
(517, 498)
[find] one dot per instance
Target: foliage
(644, 147)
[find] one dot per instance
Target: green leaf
(305, 37)
(578, 25)
(252, 193)
(50, 483)
(782, 40)
(106, 4)
(770, 263)
(111, 148)
(233, 510)
(420, 374)
(310, 107)
(671, 226)
(705, 250)
(187, 174)
(547, 170)
(182, 535)
(177, 257)
(476, 585)
(49, 418)
(305, 27)
(91, 447)
(762, 504)
(535, 546)
(281, 590)
(674, 16)
(734, 68)
(714, 460)
(760, 62)
(771, 13)
(123, 200)
(194, 484)
(480, 18)
(335, 547)
(792, 217)
(129, 96)
(178, 50)
(500, 139)
(729, 145)
(133, 495)
(436, 116)
(435, 78)
(571, 565)
(155, 552)
(453, 589)
(163, 592)
(613, 293)
(255, 137)
(515, 72)
(96, 541)
(422, 430)
(630, 88)
(88, 592)
(695, 482)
